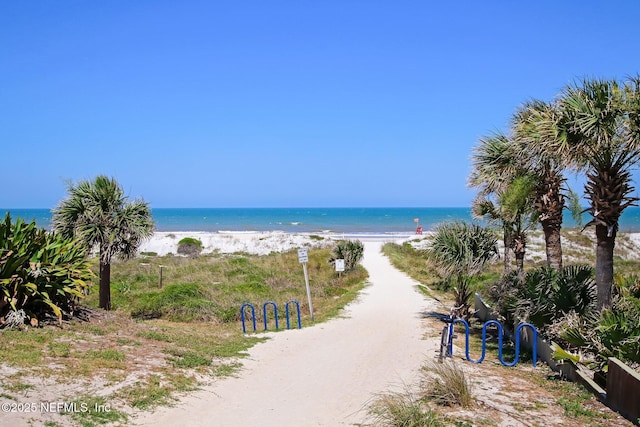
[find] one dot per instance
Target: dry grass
(446, 384)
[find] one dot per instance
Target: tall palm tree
(100, 214)
(600, 134)
(529, 125)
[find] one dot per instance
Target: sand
(321, 375)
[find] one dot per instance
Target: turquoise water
(338, 220)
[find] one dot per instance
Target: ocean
(309, 220)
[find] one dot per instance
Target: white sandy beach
(258, 243)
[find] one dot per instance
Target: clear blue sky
(283, 103)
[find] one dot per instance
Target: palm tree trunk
(605, 242)
(105, 285)
(508, 243)
(553, 245)
(520, 263)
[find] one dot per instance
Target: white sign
(303, 255)
(339, 265)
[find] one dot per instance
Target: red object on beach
(419, 230)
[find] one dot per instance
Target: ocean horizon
(367, 220)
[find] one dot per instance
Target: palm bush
(351, 251)
(460, 251)
(545, 295)
(613, 332)
(40, 273)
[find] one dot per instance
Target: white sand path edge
(322, 375)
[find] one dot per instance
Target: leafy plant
(351, 251)
(40, 273)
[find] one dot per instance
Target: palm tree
(501, 175)
(547, 167)
(494, 164)
(598, 131)
(100, 214)
(461, 251)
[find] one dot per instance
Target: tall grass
(447, 384)
(402, 409)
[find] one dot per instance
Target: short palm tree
(460, 251)
(494, 164)
(98, 213)
(598, 131)
(506, 193)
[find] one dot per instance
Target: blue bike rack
(265, 314)
(253, 316)
(500, 334)
(275, 313)
(297, 304)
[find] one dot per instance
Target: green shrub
(40, 273)
(351, 251)
(189, 246)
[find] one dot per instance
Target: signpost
(339, 265)
(303, 258)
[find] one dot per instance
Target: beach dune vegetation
(98, 213)
(190, 246)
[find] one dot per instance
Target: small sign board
(303, 255)
(339, 265)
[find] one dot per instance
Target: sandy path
(321, 375)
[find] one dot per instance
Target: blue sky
(283, 103)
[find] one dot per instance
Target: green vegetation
(545, 296)
(189, 246)
(98, 213)
(460, 251)
(351, 251)
(41, 274)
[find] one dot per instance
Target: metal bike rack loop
(253, 316)
(500, 334)
(297, 304)
(275, 313)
